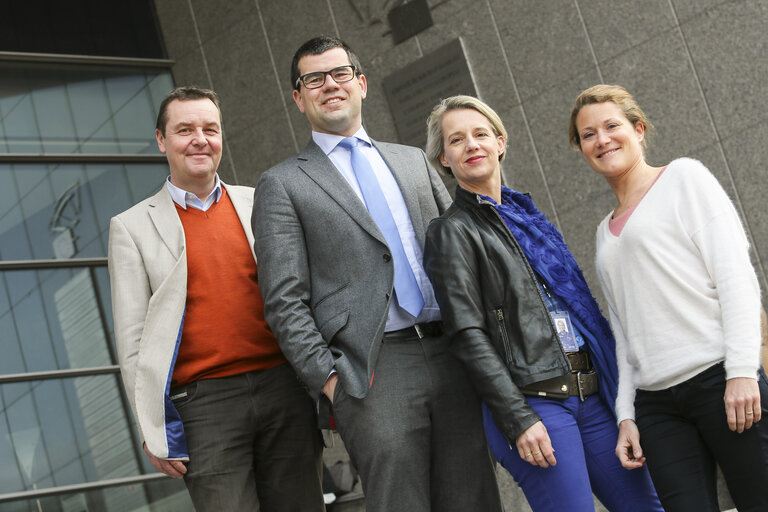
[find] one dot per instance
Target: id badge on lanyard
(564, 327)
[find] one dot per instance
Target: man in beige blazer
(214, 399)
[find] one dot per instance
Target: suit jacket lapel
(321, 170)
(162, 211)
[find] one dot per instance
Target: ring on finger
(750, 413)
(527, 455)
(535, 453)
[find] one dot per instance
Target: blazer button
(564, 388)
(387, 257)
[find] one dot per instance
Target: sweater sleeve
(716, 230)
(625, 395)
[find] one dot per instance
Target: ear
(443, 160)
(298, 100)
(160, 140)
(502, 144)
(640, 130)
(363, 86)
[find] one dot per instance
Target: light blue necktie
(406, 289)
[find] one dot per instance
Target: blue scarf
(546, 251)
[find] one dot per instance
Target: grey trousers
(417, 438)
(253, 443)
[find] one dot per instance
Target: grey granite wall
(697, 67)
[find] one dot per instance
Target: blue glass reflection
(57, 109)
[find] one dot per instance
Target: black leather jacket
(492, 309)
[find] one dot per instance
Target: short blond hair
(435, 127)
(614, 93)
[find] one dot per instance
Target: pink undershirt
(616, 224)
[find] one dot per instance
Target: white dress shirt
(397, 317)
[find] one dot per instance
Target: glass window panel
(103, 140)
(8, 194)
(56, 425)
(12, 360)
(60, 323)
(19, 124)
(143, 182)
(131, 102)
(94, 122)
(67, 207)
(54, 118)
(26, 440)
(14, 244)
(34, 334)
(101, 275)
(36, 206)
(46, 432)
(26, 178)
(159, 86)
(76, 109)
(10, 478)
(3, 143)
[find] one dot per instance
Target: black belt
(582, 380)
(416, 331)
(579, 360)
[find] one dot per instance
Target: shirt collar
(182, 198)
(329, 141)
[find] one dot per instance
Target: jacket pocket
(504, 335)
(332, 312)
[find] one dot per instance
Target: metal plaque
(413, 91)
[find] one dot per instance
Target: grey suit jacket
(324, 266)
(148, 276)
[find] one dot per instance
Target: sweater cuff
(735, 371)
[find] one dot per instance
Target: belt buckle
(578, 385)
(418, 330)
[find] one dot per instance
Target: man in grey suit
(214, 399)
(339, 231)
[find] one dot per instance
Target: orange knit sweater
(224, 329)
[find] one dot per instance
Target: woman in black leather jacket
(520, 316)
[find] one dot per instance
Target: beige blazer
(148, 276)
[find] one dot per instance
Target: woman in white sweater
(684, 305)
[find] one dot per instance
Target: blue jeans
(583, 435)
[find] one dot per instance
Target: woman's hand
(628, 448)
(742, 403)
(534, 446)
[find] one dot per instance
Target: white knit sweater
(681, 290)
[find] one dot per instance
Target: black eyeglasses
(316, 79)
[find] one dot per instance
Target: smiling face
(192, 144)
(471, 150)
(608, 140)
(333, 108)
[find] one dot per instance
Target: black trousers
(684, 434)
(253, 443)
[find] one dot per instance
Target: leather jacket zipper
(504, 335)
(531, 274)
